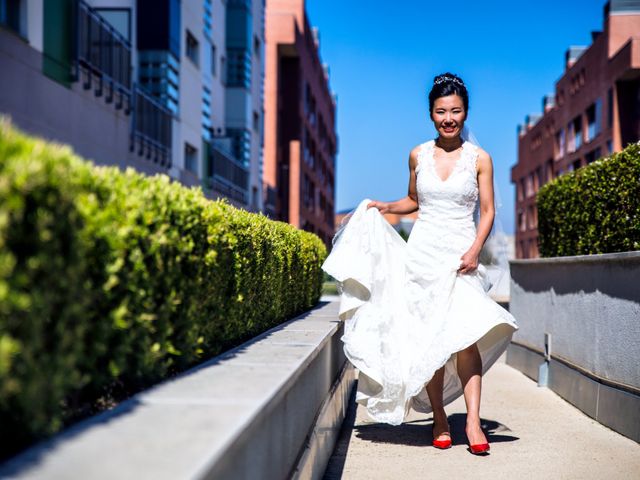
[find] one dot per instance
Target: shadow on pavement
(418, 433)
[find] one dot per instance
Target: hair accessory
(446, 78)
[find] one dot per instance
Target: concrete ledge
(588, 305)
(322, 440)
(612, 405)
(249, 413)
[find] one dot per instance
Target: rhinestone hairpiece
(446, 78)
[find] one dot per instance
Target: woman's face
(448, 115)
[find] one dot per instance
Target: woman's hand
(383, 207)
(469, 261)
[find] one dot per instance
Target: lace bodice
(454, 198)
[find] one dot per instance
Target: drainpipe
(543, 369)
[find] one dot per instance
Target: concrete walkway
(533, 433)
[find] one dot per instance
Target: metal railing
(151, 128)
(227, 175)
(102, 57)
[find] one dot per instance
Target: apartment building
(164, 86)
(594, 111)
(300, 123)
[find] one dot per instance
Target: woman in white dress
(418, 313)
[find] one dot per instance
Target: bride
(417, 313)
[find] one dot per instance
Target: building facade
(594, 111)
(300, 123)
(143, 83)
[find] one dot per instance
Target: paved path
(534, 434)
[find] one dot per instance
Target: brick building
(595, 111)
(300, 110)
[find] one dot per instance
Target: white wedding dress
(406, 309)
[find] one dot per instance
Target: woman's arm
(487, 213)
(408, 204)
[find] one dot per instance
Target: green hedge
(595, 209)
(111, 280)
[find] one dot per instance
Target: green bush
(111, 280)
(595, 209)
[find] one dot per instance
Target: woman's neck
(449, 144)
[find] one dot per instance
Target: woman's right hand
(383, 207)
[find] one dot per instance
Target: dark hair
(448, 84)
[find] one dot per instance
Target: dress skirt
(407, 310)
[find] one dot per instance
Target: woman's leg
(434, 390)
(470, 373)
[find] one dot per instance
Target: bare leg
(470, 373)
(434, 390)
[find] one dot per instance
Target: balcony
(102, 57)
(224, 173)
(151, 128)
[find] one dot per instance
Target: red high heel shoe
(479, 448)
(442, 444)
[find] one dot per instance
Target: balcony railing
(102, 56)
(225, 174)
(151, 128)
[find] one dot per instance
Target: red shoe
(442, 444)
(479, 448)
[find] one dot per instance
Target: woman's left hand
(469, 261)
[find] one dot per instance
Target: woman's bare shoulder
(413, 155)
(484, 159)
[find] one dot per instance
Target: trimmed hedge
(111, 280)
(595, 209)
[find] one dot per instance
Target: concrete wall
(590, 306)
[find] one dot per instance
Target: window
(549, 170)
(213, 60)
(192, 48)
(521, 189)
(577, 128)
(190, 158)
(530, 217)
(11, 15)
(522, 225)
(256, 46)
(560, 145)
(592, 156)
(540, 180)
(529, 185)
(593, 120)
(159, 74)
(239, 67)
(254, 197)
(577, 164)
(609, 147)
(223, 63)
(119, 19)
(256, 121)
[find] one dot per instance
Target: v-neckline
(455, 166)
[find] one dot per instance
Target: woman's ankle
(473, 423)
(440, 414)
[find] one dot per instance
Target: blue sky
(383, 56)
